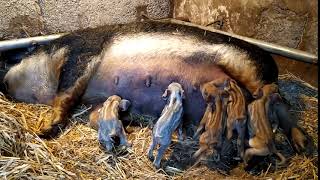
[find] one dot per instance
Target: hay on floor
(76, 153)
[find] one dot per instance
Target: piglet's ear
(183, 95)
(226, 84)
(165, 94)
(257, 94)
(124, 104)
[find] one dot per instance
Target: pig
(261, 139)
(215, 94)
(280, 118)
(169, 121)
(237, 115)
(106, 121)
(135, 61)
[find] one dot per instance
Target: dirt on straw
(76, 153)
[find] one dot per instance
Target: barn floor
(76, 153)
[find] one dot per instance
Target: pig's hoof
(216, 157)
(156, 165)
(129, 144)
(300, 140)
(150, 157)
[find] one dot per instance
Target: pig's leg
(254, 152)
(123, 139)
(199, 154)
(290, 127)
(162, 149)
(281, 157)
(207, 115)
(151, 148)
(180, 132)
(241, 129)
(198, 132)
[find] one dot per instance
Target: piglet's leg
(207, 115)
(255, 152)
(180, 132)
(198, 132)
(151, 148)
(123, 139)
(161, 151)
(290, 127)
(241, 129)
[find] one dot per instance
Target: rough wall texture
(291, 23)
(21, 18)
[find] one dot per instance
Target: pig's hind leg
(241, 129)
(123, 139)
(151, 148)
(162, 149)
(254, 152)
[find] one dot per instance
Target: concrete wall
(22, 18)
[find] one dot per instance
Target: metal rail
(26, 42)
(269, 47)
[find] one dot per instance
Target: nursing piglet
(214, 119)
(261, 140)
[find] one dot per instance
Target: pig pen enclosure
(76, 152)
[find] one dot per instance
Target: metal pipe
(269, 47)
(26, 42)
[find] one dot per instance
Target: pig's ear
(183, 95)
(226, 84)
(165, 94)
(124, 104)
(258, 93)
(58, 59)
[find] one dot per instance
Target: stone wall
(291, 23)
(23, 18)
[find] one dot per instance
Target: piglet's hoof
(299, 140)
(216, 157)
(129, 144)
(156, 165)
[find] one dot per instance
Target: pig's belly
(128, 80)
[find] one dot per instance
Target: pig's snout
(109, 141)
(115, 140)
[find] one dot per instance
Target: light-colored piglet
(106, 121)
(168, 122)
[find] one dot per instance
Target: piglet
(106, 121)
(214, 119)
(168, 122)
(261, 140)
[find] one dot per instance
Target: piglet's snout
(115, 140)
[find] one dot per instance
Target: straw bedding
(76, 153)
